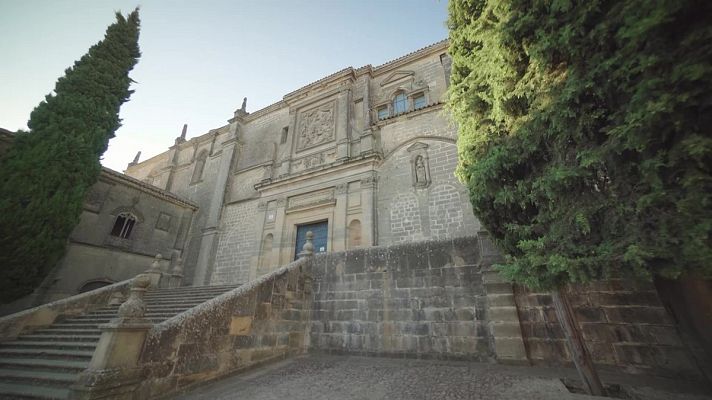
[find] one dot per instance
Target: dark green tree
(46, 173)
(586, 134)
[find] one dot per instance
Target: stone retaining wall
(423, 300)
(623, 323)
(255, 323)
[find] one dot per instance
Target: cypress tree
(585, 135)
(46, 173)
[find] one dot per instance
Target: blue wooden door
(321, 233)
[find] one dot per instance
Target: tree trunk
(579, 354)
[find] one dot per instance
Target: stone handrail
(265, 319)
(210, 306)
(13, 325)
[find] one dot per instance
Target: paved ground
(322, 377)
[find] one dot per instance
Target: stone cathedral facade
(361, 157)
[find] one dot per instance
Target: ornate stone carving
(341, 188)
(313, 161)
(316, 126)
(135, 307)
(368, 182)
(261, 206)
(281, 202)
(419, 165)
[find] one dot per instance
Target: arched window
(123, 225)
(94, 284)
(199, 166)
(400, 104)
(354, 234)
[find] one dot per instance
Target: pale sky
(200, 58)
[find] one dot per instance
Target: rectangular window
(382, 112)
(399, 104)
(285, 131)
(419, 101)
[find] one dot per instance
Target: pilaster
(208, 242)
(339, 224)
(368, 234)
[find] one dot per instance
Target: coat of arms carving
(316, 127)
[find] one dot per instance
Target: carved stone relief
(316, 126)
(313, 161)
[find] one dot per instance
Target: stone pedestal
(114, 371)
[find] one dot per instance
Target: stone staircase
(44, 364)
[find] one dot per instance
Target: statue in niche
(420, 176)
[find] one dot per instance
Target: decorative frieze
(313, 161)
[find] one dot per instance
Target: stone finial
(156, 264)
(180, 139)
(135, 307)
(308, 248)
(135, 160)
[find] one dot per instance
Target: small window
(382, 112)
(399, 104)
(123, 225)
(285, 131)
(419, 101)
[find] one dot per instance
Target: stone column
(339, 224)
(114, 371)
(342, 125)
(280, 234)
(368, 233)
(208, 241)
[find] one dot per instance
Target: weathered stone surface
(419, 303)
(622, 323)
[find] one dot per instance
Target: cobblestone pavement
(322, 377)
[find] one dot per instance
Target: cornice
(118, 177)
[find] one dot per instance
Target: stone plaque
(316, 126)
(163, 222)
(313, 198)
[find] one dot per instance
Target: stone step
(56, 345)
(35, 377)
(64, 331)
(192, 288)
(49, 354)
(85, 320)
(44, 364)
(187, 293)
(16, 391)
(59, 337)
(178, 298)
(78, 325)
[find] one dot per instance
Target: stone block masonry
(258, 322)
(423, 300)
(623, 323)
